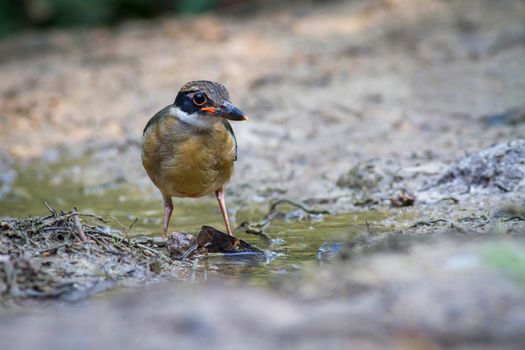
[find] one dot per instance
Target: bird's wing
(230, 130)
(157, 117)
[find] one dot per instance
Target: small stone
(178, 243)
(329, 250)
(403, 198)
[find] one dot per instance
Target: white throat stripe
(201, 122)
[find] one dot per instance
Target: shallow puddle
(294, 247)
(294, 244)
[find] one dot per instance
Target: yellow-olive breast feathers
(185, 161)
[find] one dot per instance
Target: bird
(189, 147)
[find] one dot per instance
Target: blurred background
(327, 84)
(16, 15)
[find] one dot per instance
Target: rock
(500, 168)
(329, 250)
(512, 117)
(211, 240)
(371, 175)
(403, 198)
(373, 181)
(179, 243)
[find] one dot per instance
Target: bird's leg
(168, 209)
(220, 198)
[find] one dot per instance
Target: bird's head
(202, 103)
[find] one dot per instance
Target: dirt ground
(326, 86)
(353, 105)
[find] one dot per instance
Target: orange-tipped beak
(226, 111)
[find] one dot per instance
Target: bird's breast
(188, 164)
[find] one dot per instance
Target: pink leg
(220, 198)
(168, 209)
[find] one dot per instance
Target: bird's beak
(226, 111)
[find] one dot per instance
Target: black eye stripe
(185, 102)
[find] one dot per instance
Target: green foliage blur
(506, 259)
(16, 15)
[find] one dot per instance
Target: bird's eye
(199, 99)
